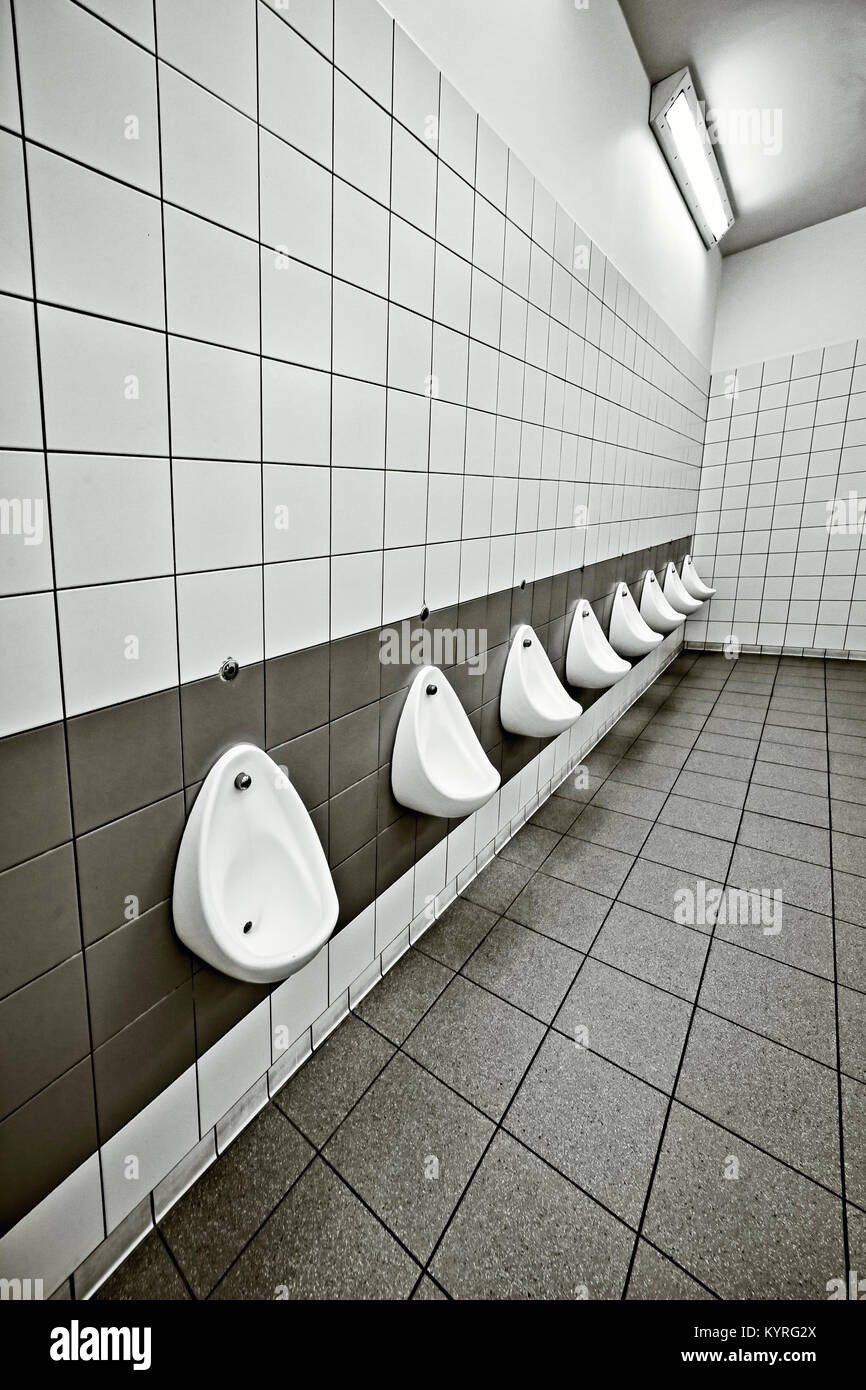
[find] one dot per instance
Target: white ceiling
(786, 73)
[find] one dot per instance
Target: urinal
(676, 593)
(438, 767)
(655, 610)
(253, 895)
(590, 660)
(628, 633)
(533, 700)
(692, 581)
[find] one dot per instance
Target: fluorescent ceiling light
(679, 127)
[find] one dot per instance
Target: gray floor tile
(849, 897)
(847, 789)
(214, 1220)
(592, 1121)
(560, 910)
(634, 801)
(805, 938)
(148, 1273)
(476, 1043)
(322, 1093)
(854, 1132)
(810, 843)
(610, 828)
(580, 789)
(852, 1032)
(427, 1291)
(404, 995)
(851, 955)
(644, 774)
(727, 745)
(769, 1233)
(804, 885)
(719, 765)
(788, 778)
(791, 755)
(524, 967)
(530, 846)
(706, 817)
(595, 867)
(784, 1004)
(626, 1020)
(654, 1277)
(660, 952)
(452, 939)
(498, 884)
(779, 1100)
(850, 818)
(849, 853)
(556, 813)
(408, 1149)
(722, 791)
(650, 750)
(321, 1243)
(670, 893)
(686, 849)
(791, 805)
(523, 1231)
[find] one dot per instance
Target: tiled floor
(561, 1092)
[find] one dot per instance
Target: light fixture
(679, 126)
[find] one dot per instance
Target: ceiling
(788, 79)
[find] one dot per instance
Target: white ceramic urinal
(628, 633)
(253, 895)
(533, 700)
(655, 610)
(590, 660)
(676, 593)
(692, 581)
(438, 766)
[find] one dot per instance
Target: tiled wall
(293, 348)
(783, 504)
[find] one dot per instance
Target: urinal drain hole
(248, 926)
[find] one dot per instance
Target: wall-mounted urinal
(533, 700)
(590, 660)
(438, 767)
(253, 895)
(694, 585)
(655, 610)
(628, 633)
(676, 593)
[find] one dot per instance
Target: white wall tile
(358, 418)
(296, 311)
(209, 154)
(30, 692)
(90, 117)
(297, 605)
(219, 615)
(360, 334)
(118, 641)
(233, 1064)
(363, 46)
(356, 592)
(217, 514)
(213, 41)
(351, 951)
(212, 282)
(297, 511)
(141, 1154)
(14, 228)
(360, 239)
(295, 203)
(416, 89)
(25, 540)
(296, 405)
(20, 424)
(111, 518)
(362, 140)
(298, 1002)
(357, 509)
(294, 89)
(215, 401)
(104, 384)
